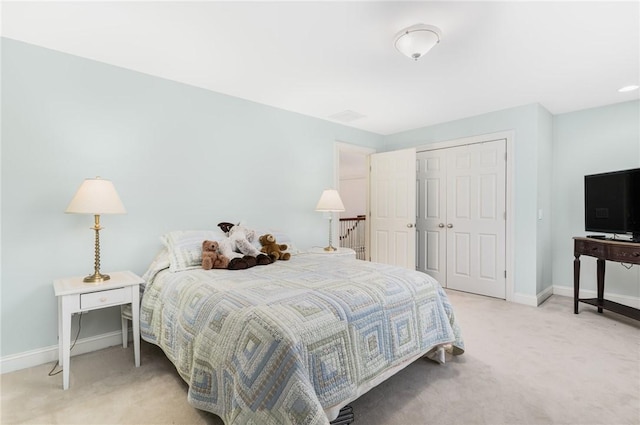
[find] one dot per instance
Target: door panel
(488, 251)
(433, 255)
(461, 257)
(460, 192)
(380, 249)
(393, 208)
(488, 195)
(402, 251)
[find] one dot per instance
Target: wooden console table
(603, 250)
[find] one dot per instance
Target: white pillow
(185, 247)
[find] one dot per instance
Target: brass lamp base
(330, 248)
(96, 278)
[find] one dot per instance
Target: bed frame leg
(345, 417)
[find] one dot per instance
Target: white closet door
(476, 225)
(432, 214)
(393, 208)
(461, 222)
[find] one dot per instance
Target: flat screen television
(612, 203)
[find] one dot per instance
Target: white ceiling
(324, 58)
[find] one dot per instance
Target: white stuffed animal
(239, 242)
(242, 238)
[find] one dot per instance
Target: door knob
(449, 226)
(410, 225)
(441, 225)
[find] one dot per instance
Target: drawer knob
(636, 254)
(103, 299)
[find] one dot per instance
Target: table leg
(60, 336)
(576, 283)
(66, 344)
(600, 270)
(135, 322)
(125, 327)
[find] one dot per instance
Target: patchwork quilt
(288, 342)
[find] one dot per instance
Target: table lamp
(96, 196)
(330, 202)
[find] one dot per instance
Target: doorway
(352, 182)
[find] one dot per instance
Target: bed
(291, 342)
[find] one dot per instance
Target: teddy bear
(239, 248)
(211, 256)
(272, 248)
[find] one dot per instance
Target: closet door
(461, 217)
(476, 225)
(432, 214)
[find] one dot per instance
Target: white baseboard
(567, 291)
(542, 296)
(530, 300)
(50, 354)
(533, 300)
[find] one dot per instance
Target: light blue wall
(180, 157)
(544, 238)
(183, 157)
(527, 123)
(588, 142)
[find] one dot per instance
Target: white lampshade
(417, 40)
(330, 201)
(96, 196)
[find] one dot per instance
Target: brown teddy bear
(272, 248)
(211, 256)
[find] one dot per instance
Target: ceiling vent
(346, 116)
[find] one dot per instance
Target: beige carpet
(523, 365)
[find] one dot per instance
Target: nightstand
(347, 252)
(76, 296)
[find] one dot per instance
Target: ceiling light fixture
(628, 88)
(416, 40)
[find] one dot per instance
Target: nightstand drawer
(105, 298)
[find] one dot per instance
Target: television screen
(612, 202)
